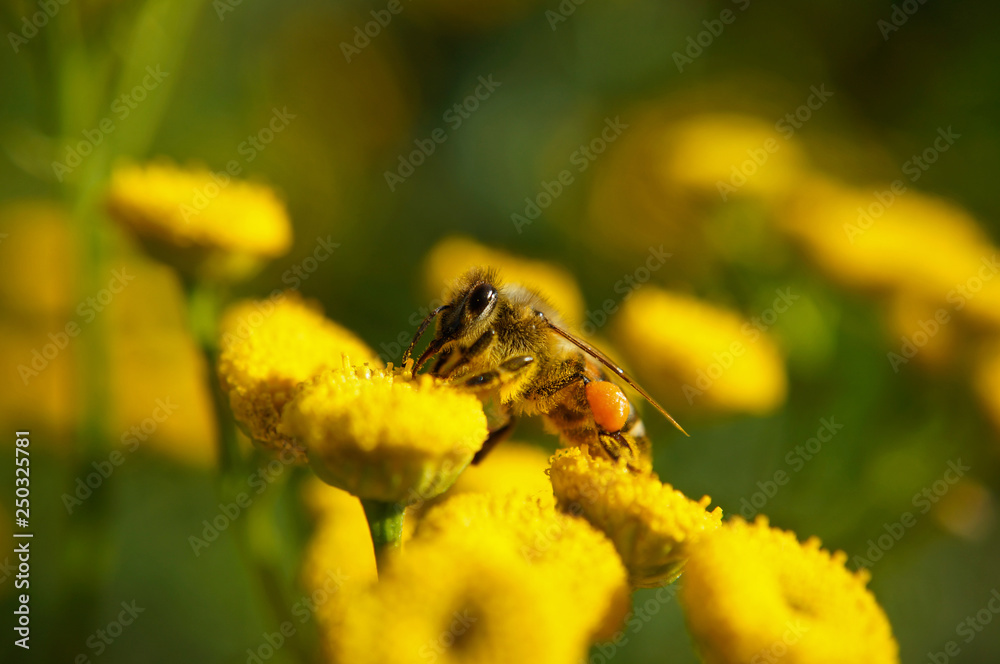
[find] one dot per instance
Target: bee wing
(618, 371)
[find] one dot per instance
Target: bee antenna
(420, 331)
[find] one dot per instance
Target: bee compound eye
(482, 297)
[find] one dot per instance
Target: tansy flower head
(454, 256)
(270, 346)
(698, 354)
(207, 226)
(564, 546)
(912, 243)
(650, 523)
(754, 593)
(459, 600)
(381, 436)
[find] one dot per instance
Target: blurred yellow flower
(339, 561)
(753, 593)
(207, 224)
(509, 468)
(459, 600)
(889, 239)
(669, 179)
(565, 547)
(452, 257)
(381, 436)
(40, 242)
(695, 353)
(725, 154)
(270, 346)
(651, 524)
(918, 330)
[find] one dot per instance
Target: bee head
(469, 311)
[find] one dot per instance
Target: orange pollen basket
(608, 403)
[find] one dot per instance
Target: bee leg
(617, 444)
(478, 347)
(496, 436)
(495, 377)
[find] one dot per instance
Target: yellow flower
(754, 593)
(912, 243)
(270, 346)
(519, 468)
(452, 257)
(710, 151)
(908, 319)
(458, 601)
(339, 561)
(672, 179)
(697, 354)
(509, 468)
(651, 524)
(381, 436)
(489, 579)
(566, 548)
(209, 225)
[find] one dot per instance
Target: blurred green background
(562, 70)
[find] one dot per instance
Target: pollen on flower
(651, 524)
(270, 346)
(380, 435)
(191, 219)
(748, 587)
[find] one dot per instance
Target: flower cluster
(528, 557)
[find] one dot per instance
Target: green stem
(255, 531)
(385, 521)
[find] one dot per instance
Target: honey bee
(506, 341)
